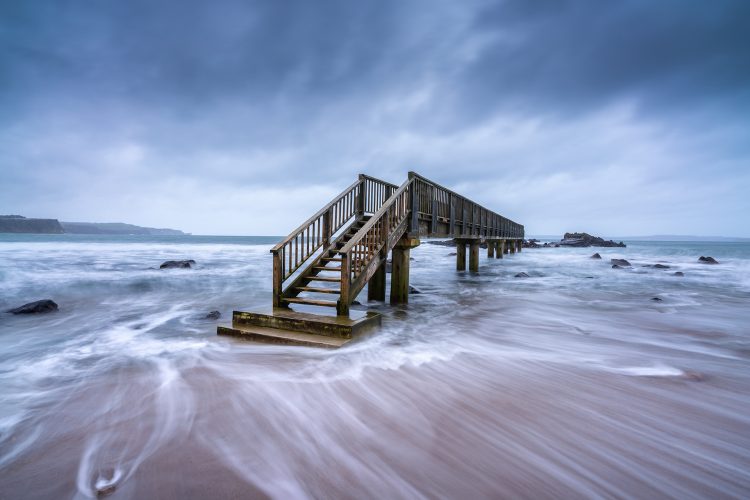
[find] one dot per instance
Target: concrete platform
(285, 326)
(278, 336)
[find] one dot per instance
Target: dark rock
(589, 277)
(596, 256)
(40, 306)
(586, 240)
(660, 266)
(678, 273)
(656, 299)
(615, 266)
(620, 262)
(103, 491)
(443, 243)
(532, 243)
(452, 254)
(707, 260)
(356, 303)
(177, 264)
(414, 290)
(213, 315)
(522, 275)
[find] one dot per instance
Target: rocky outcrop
(40, 306)
(20, 224)
(619, 262)
(678, 273)
(213, 315)
(521, 275)
(707, 260)
(177, 264)
(586, 240)
(596, 256)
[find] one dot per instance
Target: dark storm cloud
(213, 108)
(569, 56)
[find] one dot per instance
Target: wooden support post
(512, 246)
(506, 247)
(460, 255)
(474, 256)
(400, 270)
(520, 245)
(499, 249)
(490, 249)
(376, 285)
(342, 306)
(277, 280)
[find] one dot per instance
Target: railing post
(452, 223)
(360, 208)
(414, 224)
(327, 228)
(342, 306)
(277, 279)
(433, 224)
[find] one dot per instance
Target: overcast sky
(244, 117)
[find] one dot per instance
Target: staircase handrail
(290, 254)
(380, 233)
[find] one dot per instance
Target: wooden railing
(441, 207)
(364, 252)
(366, 195)
(416, 201)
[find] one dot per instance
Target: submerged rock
(40, 306)
(660, 266)
(678, 273)
(596, 256)
(414, 290)
(708, 260)
(657, 299)
(615, 266)
(619, 262)
(452, 254)
(522, 275)
(177, 264)
(213, 315)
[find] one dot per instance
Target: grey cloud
(174, 111)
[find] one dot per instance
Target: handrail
(364, 195)
(319, 213)
(456, 209)
(358, 255)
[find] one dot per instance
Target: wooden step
(323, 278)
(309, 302)
(332, 259)
(318, 290)
(324, 268)
(280, 336)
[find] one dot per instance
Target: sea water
(572, 382)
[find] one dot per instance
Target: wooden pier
(328, 260)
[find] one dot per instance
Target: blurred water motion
(570, 383)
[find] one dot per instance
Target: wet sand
(483, 387)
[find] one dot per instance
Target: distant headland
(21, 224)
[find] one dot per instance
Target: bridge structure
(327, 261)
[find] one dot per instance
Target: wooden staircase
(322, 278)
(327, 261)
